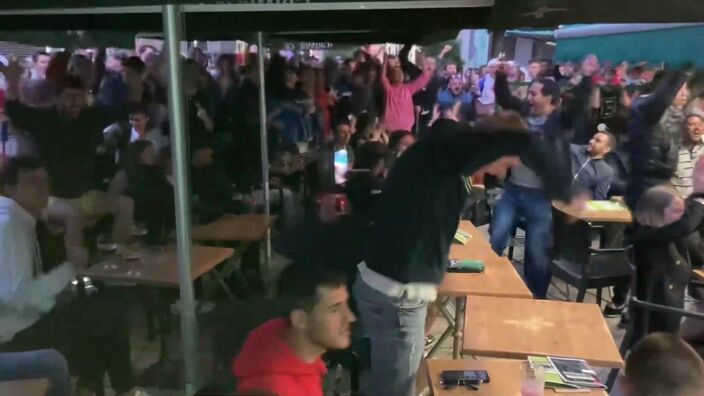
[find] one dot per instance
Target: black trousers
(92, 332)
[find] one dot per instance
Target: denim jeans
(43, 363)
(536, 208)
(395, 329)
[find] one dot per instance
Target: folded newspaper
(567, 375)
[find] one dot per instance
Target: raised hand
(13, 74)
(590, 65)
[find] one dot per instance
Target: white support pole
(179, 151)
(265, 149)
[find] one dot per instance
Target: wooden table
(505, 378)
(158, 267)
(620, 215)
(517, 328)
(234, 228)
(33, 387)
(699, 274)
(499, 279)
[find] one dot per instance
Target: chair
(628, 341)
(616, 160)
(580, 265)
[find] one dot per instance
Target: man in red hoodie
(283, 356)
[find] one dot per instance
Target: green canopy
(673, 44)
(71, 39)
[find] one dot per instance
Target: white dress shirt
(25, 293)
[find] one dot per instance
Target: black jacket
(419, 208)
(663, 266)
(653, 154)
(67, 147)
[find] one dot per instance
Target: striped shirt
(682, 179)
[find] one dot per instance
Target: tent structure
(672, 43)
(399, 20)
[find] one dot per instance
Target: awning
(674, 44)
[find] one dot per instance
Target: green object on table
(466, 266)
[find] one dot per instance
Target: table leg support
(460, 304)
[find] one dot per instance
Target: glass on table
(532, 380)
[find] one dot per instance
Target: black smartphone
(461, 377)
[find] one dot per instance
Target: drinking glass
(532, 380)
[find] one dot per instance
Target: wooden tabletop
(517, 328)
(620, 215)
(505, 378)
(499, 278)
(158, 267)
(234, 228)
(699, 274)
(34, 387)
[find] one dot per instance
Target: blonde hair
(650, 209)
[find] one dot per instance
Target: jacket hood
(265, 353)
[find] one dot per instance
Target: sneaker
(107, 246)
(614, 311)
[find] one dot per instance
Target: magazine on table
(567, 375)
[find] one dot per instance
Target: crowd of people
(372, 160)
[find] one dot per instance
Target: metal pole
(179, 151)
(265, 149)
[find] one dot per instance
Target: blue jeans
(43, 363)
(395, 329)
(536, 208)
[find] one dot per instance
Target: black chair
(580, 265)
(618, 162)
(628, 341)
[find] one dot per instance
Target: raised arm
(409, 68)
(653, 107)
(384, 78)
(691, 220)
(459, 149)
(505, 98)
(420, 82)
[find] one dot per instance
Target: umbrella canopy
(673, 44)
(550, 13)
(419, 21)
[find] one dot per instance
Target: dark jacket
(590, 175)
(419, 208)
(663, 266)
(653, 153)
(68, 147)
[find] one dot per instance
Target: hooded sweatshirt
(266, 363)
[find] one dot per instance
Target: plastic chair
(580, 265)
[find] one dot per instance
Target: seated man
(590, 173)
(39, 310)
(283, 356)
(663, 365)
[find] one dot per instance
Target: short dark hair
(139, 109)
(298, 287)
(36, 55)
(662, 364)
(10, 171)
(550, 88)
(134, 63)
(71, 82)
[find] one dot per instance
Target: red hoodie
(266, 363)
